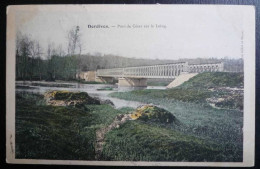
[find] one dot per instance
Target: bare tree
(74, 41)
(38, 58)
(51, 54)
(75, 46)
(60, 51)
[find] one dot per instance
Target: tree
(23, 54)
(51, 54)
(75, 46)
(74, 41)
(38, 60)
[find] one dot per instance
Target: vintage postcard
(143, 85)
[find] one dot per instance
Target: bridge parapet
(154, 71)
(209, 67)
(159, 71)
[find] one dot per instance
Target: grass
(139, 141)
(215, 79)
(199, 119)
(187, 95)
(48, 132)
(157, 83)
(187, 102)
(194, 90)
(105, 88)
(68, 133)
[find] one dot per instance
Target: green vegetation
(215, 79)
(187, 95)
(187, 129)
(55, 132)
(139, 141)
(157, 83)
(188, 103)
(105, 88)
(195, 90)
(127, 110)
(236, 102)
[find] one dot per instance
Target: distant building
(87, 76)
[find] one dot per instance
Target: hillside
(208, 80)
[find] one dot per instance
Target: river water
(91, 89)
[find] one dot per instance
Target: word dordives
(98, 26)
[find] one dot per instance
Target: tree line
(32, 63)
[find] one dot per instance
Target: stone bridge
(137, 76)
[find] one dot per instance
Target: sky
(188, 31)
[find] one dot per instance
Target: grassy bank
(139, 141)
(188, 103)
(55, 132)
(208, 80)
(194, 90)
(158, 83)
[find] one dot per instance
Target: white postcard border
(249, 93)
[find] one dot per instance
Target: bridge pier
(104, 79)
(132, 82)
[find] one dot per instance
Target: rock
(154, 114)
(66, 98)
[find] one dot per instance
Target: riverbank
(58, 132)
(190, 103)
(70, 132)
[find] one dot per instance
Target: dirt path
(100, 134)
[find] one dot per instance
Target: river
(91, 89)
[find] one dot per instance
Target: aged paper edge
(249, 92)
